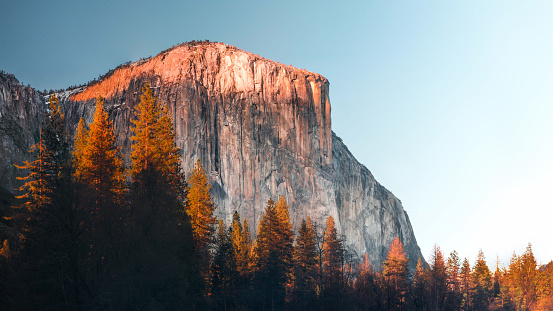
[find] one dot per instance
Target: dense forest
(87, 233)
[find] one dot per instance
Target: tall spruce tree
(438, 279)
(305, 266)
(333, 259)
(528, 278)
(79, 146)
(223, 270)
(101, 196)
(241, 248)
(482, 282)
(420, 288)
(200, 207)
(453, 281)
(49, 257)
(160, 235)
(396, 272)
(272, 252)
(367, 289)
(466, 285)
(99, 165)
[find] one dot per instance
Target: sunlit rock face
(261, 129)
(21, 112)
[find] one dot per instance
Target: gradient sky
(448, 103)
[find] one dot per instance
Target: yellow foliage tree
(154, 151)
(99, 165)
(200, 208)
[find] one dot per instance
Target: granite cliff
(260, 128)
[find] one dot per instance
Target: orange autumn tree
(161, 242)
(98, 162)
(241, 245)
(272, 254)
(395, 272)
(154, 151)
(200, 208)
(333, 258)
(305, 265)
(79, 146)
(158, 184)
(46, 218)
(100, 181)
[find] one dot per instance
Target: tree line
(93, 235)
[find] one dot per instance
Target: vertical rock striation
(21, 112)
(261, 129)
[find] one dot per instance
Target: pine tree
(482, 282)
(79, 147)
(466, 287)
(49, 254)
(420, 286)
(101, 196)
(333, 258)
(154, 151)
(102, 171)
(286, 236)
(160, 236)
(395, 270)
(438, 279)
(248, 246)
(512, 279)
(453, 281)
(272, 253)
(200, 208)
(528, 277)
(367, 291)
(223, 270)
(305, 266)
(241, 247)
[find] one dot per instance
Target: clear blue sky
(448, 103)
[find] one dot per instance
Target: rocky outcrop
(261, 129)
(21, 112)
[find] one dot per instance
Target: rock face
(21, 112)
(261, 129)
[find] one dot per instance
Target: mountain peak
(212, 64)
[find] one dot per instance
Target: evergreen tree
(223, 270)
(102, 171)
(200, 208)
(419, 289)
(466, 287)
(395, 270)
(160, 236)
(333, 258)
(453, 281)
(79, 146)
(528, 277)
(154, 151)
(545, 287)
(241, 245)
(240, 249)
(438, 279)
(366, 288)
(512, 280)
(248, 247)
(272, 255)
(101, 192)
(286, 235)
(49, 259)
(305, 266)
(482, 282)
